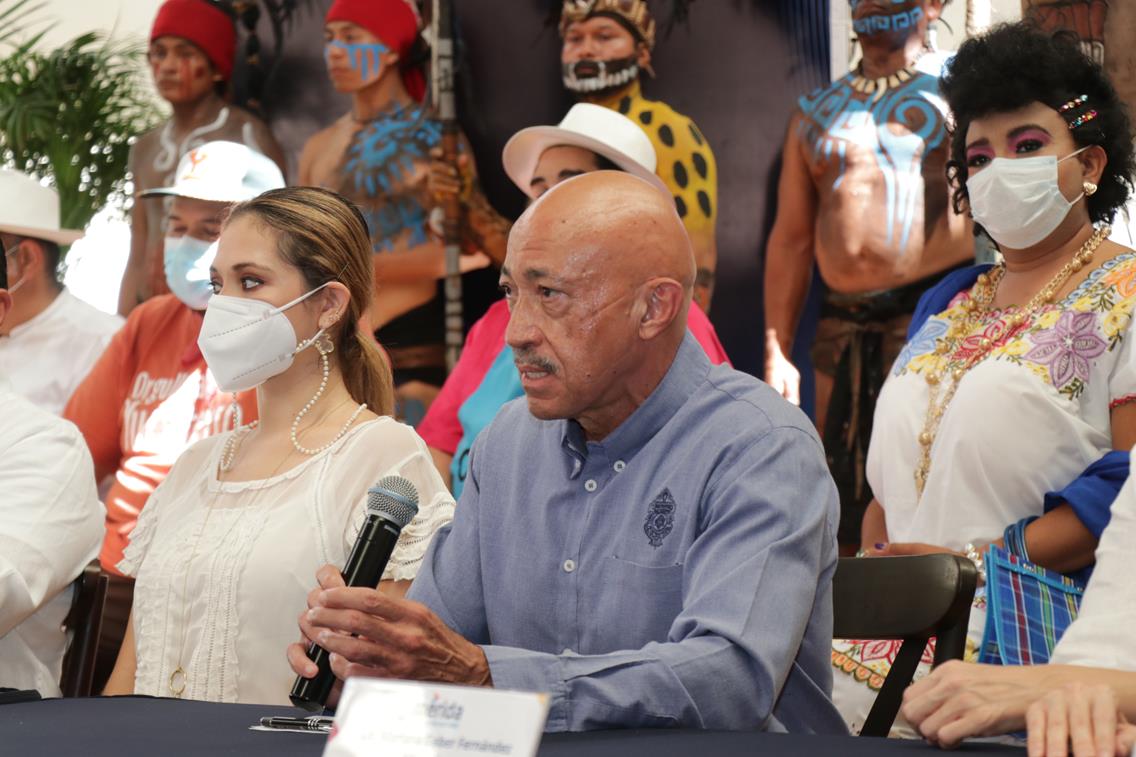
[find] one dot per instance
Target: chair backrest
(83, 621)
(909, 598)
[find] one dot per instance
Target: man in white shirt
(50, 339)
(51, 525)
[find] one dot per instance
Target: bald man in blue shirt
(645, 537)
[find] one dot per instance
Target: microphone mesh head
(393, 498)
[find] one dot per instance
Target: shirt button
(590, 484)
(619, 466)
(569, 566)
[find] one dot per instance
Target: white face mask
(246, 342)
(1018, 200)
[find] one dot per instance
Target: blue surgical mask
(187, 261)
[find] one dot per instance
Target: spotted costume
(685, 161)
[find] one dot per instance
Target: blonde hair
(324, 236)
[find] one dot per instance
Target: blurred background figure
(607, 47)
(49, 339)
(862, 196)
(192, 47)
(378, 155)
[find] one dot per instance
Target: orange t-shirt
(146, 400)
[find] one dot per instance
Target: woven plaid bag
(1028, 608)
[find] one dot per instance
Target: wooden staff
(445, 110)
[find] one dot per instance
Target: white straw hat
(29, 209)
(592, 127)
(222, 172)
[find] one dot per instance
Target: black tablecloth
(127, 726)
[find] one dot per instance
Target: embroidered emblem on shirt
(660, 518)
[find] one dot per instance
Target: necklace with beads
(179, 678)
(325, 347)
(942, 384)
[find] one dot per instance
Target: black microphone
(391, 504)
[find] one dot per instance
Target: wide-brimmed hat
(592, 127)
(222, 172)
(29, 209)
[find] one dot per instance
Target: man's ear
(29, 256)
(643, 58)
(5, 304)
(933, 10)
(665, 300)
(334, 303)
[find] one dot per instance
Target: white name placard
(404, 719)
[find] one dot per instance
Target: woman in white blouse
(225, 550)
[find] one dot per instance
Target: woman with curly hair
(1018, 382)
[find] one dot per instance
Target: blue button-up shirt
(678, 573)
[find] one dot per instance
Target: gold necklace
(942, 385)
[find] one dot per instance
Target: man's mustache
(529, 359)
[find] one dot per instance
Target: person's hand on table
(960, 700)
(372, 634)
(1079, 719)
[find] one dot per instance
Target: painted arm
(426, 261)
(135, 273)
(789, 258)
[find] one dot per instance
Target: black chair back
(83, 621)
(913, 599)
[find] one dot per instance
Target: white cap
(592, 127)
(29, 209)
(222, 172)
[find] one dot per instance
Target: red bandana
(205, 25)
(392, 21)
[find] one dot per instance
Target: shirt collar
(688, 369)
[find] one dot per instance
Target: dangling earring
(1090, 188)
(325, 347)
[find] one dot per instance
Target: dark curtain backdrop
(736, 68)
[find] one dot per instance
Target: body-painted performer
(863, 195)
(378, 155)
(192, 46)
(607, 46)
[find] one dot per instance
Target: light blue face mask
(187, 261)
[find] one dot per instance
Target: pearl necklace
(324, 352)
(942, 385)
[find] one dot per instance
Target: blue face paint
(885, 23)
(382, 159)
(362, 57)
(839, 116)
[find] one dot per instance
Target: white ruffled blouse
(224, 568)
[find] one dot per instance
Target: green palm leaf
(69, 115)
